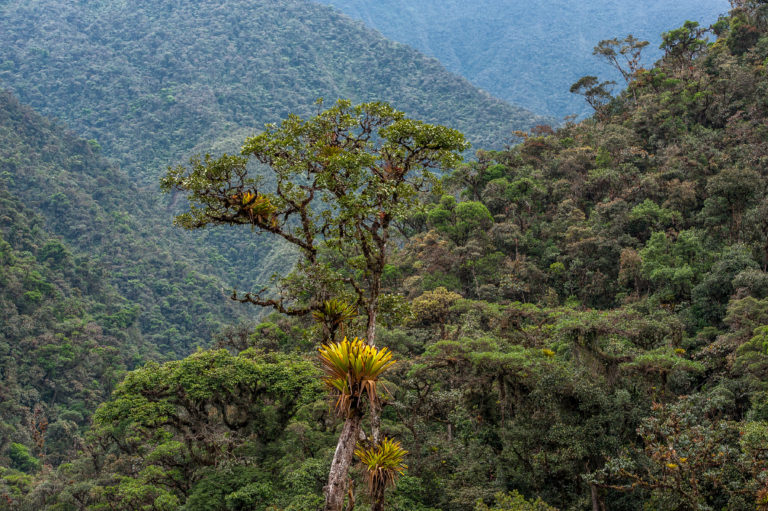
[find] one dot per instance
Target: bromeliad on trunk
(352, 371)
(383, 464)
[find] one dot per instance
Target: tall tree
(352, 372)
(624, 55)
(342, 179)
(683, 44)
(596, 93)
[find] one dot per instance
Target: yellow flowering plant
(352, 369)
(383, 464)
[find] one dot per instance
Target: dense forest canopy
(152, 83)
(527, 53)
(99, 212)
(152, 80)
(577, 322)
(67, 336)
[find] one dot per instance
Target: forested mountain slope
(582, 318)
(151, 80)
(99, 212)
(67, 337)
(527, 53)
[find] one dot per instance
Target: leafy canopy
(347, 158)
(337, 183)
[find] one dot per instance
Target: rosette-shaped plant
(352, 370)
(383, 464)
(332, 315)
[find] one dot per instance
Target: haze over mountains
(151, 80)
(527, 52)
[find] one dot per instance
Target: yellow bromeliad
(332, 314)
(383, 463)
(352, 369)
(258, 207)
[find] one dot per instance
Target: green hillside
(100, 213)
(579, 322)
(527, 53)
(153, 83)
(67, 337)
(151, 80)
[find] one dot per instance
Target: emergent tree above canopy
(341, 180)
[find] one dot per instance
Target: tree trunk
(595, 498)
(375, 423)
(371, 340)
(370, 332)
(342, 460)
(378, 498)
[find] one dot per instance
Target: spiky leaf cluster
(333, 314)
(352, 370)
(383, 463)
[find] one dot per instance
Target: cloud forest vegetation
(577, 322)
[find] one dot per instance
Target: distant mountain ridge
(527, 53)
(151, 80)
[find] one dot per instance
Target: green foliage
(684, 43)
(193, 433)
(125, 104)
(711, 296)
(460, 221)
(332, 315)
(343, 179)
(471, 218)
(54, 307)
(352, 370)
(22, 460)
(596, 93)
(647, 221)
(14, 487)
(238, 488)
(649, 217)
(211, 380)
(673, 267)
(383, 465)
(434, 307)
(481, 40)
(514, 502)
(98, 232)
(692, 462)
(579, 319)
(166, 105)
(623, 55)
